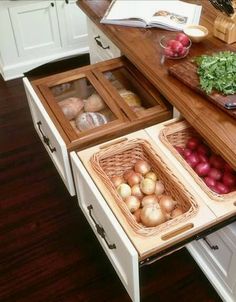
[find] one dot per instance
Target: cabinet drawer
(101, 48)
(111, 236)
(49, 135)
(85, 108)
(173, 232)
(216, 255)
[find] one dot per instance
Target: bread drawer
(216, 255)
(50, 137)
(101, 48)
(83, 107)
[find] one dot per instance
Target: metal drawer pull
(99, 43)
(100, 229)
(52, 4)
(46, 140)
(213, 247)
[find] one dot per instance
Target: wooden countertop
(141, 47)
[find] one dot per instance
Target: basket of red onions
(215, 176)
(149, 195)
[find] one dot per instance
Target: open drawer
(82, 107)
(174, 133)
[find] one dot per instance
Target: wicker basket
(118, 158)
(177, 134)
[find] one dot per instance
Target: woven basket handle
(120, 140)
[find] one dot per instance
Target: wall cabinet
(36, 32)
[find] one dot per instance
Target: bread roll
(94, 103)
(89, 120)
(130, 97)
(71, 107)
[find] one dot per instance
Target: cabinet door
(216, 255)
(72, 22)
(50, 137)
(35, 27)
(111, 236)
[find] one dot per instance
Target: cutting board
(186, 72)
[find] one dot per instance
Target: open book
(167, 14)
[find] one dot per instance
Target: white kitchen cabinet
(100, 46)
(216, 256)
(36, 32)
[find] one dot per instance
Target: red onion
(215, 173)
(229, 179)
(221, 188)
(192, 143)
(203, 149)
(217, 161)
(180, 150)
(210, 182)
(192, 159)
(202, 169)
(202, 158)
(228, 168)
(187, 152)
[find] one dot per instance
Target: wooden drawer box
(86, 107)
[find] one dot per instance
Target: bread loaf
(71, 107)
(130, 97)
(89, 120)
(94, 103)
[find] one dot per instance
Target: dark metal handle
(99, 43)
(67, 1)
(46, 140)
(100, 229)
(213, 247)
(52, 4)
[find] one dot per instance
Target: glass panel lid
(81, 104)
(131, 90)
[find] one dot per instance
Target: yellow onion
(167, 203)
(159, 188)
(127, 174)
(149, 199)
(151, 175)
(147, 186)
(152, 215)
(176, 212)
(142, 166)
(134, 178)
(137, 215)
(136, 191)
(132, 203)
(124, 190)
(117, 180)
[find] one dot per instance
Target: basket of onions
(214, 175)
(149, 195)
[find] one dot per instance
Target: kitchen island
(141, 47)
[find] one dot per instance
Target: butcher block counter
(141, 47)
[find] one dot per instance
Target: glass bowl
(175, 46)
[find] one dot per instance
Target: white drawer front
(217, 258)
(101, 48)
(50, 137)
(114, 241)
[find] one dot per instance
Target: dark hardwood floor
(47, 251)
